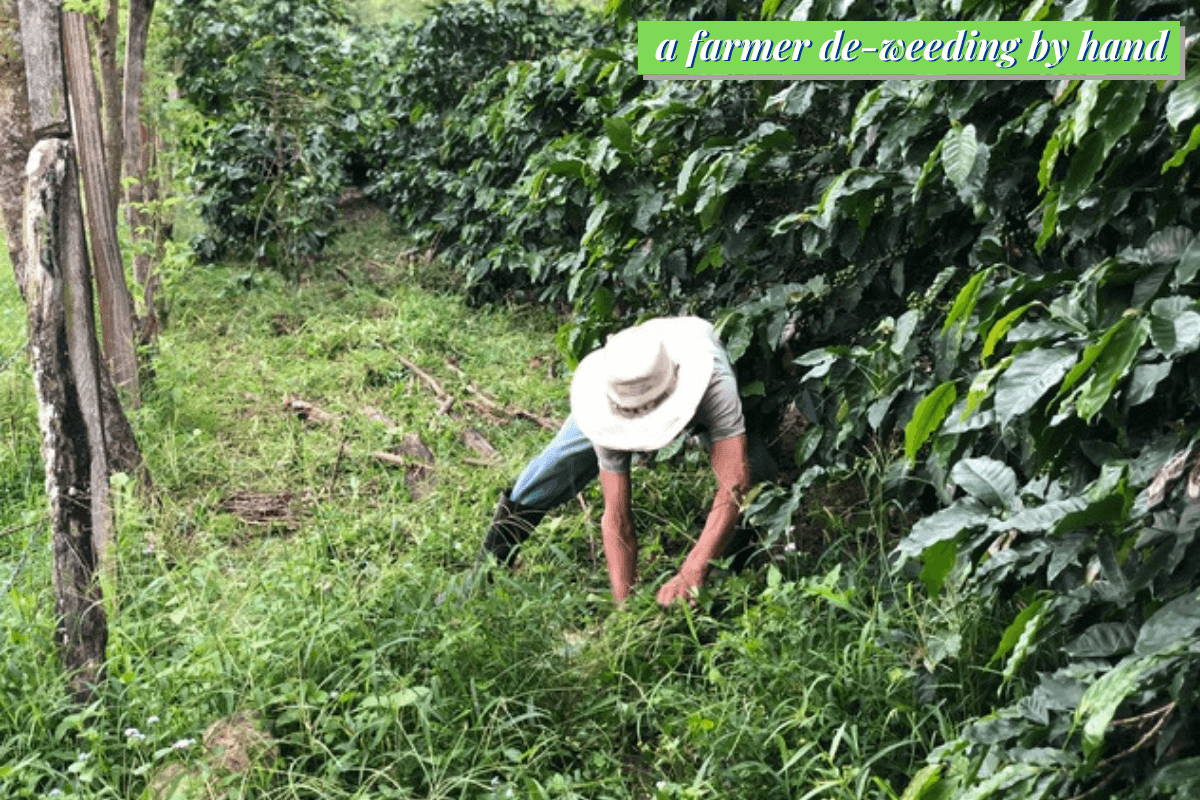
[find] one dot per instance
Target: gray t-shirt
(719, 412)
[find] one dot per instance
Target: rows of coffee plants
(981, 296)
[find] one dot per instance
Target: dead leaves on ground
(270, 509)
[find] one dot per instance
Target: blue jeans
(563, 469)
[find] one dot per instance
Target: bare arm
(730, 464)
(616, 527)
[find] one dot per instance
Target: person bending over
(637, 393)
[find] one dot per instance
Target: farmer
(637, 393)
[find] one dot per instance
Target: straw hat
(642, 388)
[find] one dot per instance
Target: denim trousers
(568, 464)
(562, 470)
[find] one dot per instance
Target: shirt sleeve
(720, 411)
(613, 460)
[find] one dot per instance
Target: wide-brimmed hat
(642, 388)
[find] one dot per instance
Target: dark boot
(511, 525)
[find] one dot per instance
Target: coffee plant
(269, 132)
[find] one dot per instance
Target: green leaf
(619, 133)
(1000, 329)
(1009, 639)
(1049, 158)
(1145, 380)
(1174, 325)
(1002, 781)
(1102, 640)
(1111, 366)
(1189, 261)
(1031, 375)
(1173, 625)
(1085, 101)
(1122, 110)
(927, 416)
(1083, 168)
(904, 330)
(1044, 517)
(927, 169)
(1090, 354)
(965, 302)
(944, 525)
(395, 701)
(1099, 703)
(1166, 246)
(986, 479)
(981, 386)
(1184, 99)
(684, 183)
(922, 782)
(572, 167)
(1026, 638)
(1049, 220)
(937, 561)
(769, 7)
(959, 151)
(1181, 777)
(1177, 158)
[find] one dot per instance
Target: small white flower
(790, 547)
(153, 720)
(134, 734)
(183, 744)
(148, 549)
(83, 757)
(55, 793)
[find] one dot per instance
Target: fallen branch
(1163, 713)
(492, 405)
(482, 447)
(479, 462)
(390, 459)
(429, 380)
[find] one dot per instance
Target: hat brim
(688, 346)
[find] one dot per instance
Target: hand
(683, 586)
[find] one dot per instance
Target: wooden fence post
(64, 356)
(65, 363)
(116, 305)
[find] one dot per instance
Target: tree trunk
(116, 306)
(15, 139)
(65, 365)
(107, 32)
(138, 141)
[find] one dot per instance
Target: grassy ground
(330, 623)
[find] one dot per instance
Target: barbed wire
(6, 363)
(12, 579)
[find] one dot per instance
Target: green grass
(335, 629)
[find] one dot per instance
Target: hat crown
(639, 369)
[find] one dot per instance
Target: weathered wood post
(116, 305)
(15, 140)
(64, 356)
(138, 141)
